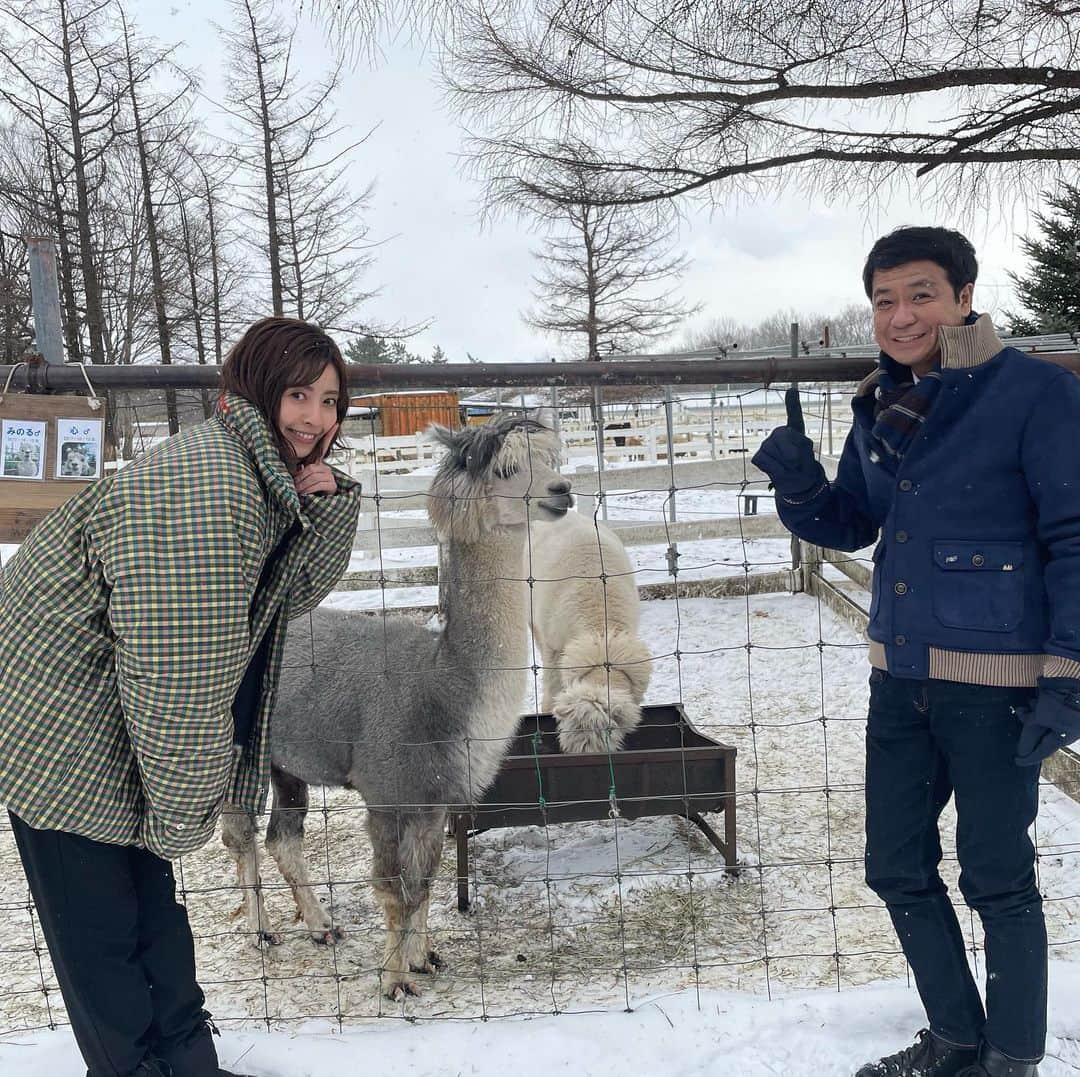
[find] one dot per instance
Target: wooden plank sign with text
(51, 447)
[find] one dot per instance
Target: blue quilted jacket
(977, 568)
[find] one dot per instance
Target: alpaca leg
(285, 842)
(553, 679)
(406, 851)
(238, 834)
(421, 853)
(384, 828)
(422, 957)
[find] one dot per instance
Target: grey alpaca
(415, 721)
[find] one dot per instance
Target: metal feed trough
(666, 767)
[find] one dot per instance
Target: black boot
(992, 1063)
(926, 1057)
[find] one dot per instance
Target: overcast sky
(473, 282)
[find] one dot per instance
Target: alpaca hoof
(398, 990)
(267, 940)
(431, 964)
(330, 936)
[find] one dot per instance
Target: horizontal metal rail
(43, 377)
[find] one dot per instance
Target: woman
(141, 631)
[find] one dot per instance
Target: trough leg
(461, 835)
(726, 848)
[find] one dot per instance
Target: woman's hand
(314, 476)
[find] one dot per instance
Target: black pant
(927, 740)
(123, 953)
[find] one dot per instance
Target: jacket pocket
(979, 585)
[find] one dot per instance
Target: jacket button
(905, 485)
(901, 536)
(900, 640)
(900, 588)
(978, 560)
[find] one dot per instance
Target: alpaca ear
(454, 441)
(443, 435)
(545, 417)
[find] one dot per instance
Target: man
(961, 457)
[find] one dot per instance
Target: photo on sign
(78, 448)
(23, 451)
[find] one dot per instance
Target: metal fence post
(598, 412)
(673, 547)
(45, 298)
(712, 423)
(796, 552)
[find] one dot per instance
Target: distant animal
(584, 616)
(415, 721)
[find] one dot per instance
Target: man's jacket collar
(962, 347)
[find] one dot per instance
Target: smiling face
(910, 302)
(307, 412)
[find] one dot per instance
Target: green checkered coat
(127, 620)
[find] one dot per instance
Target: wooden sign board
(24, 502)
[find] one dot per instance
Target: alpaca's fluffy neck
(486, 602)
(484, 640)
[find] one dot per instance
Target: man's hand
(314, 476)
(1052, 723)
(787, 454)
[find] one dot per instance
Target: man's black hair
(948, 249)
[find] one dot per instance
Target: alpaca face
(501, 475)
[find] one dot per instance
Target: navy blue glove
(1053, 722)
(787, 455)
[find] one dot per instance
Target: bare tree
(312, 231)
(213, 245)
(607, 276)
(61, 72)
(325, 244)
(16, 330)
(153, 128)
(850, 326)
(967, 100)
(24, 211)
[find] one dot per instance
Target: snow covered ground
(734, 975)
(683, 1034)
(611, 946)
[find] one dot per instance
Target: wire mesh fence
(752, 725)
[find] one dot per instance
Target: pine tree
(368, 349)
(1051, 290)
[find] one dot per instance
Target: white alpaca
(584, 617)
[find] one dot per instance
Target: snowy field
(722, 974)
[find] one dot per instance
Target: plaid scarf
(900, 409)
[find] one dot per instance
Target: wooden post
(45, 299)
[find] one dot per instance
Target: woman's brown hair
(275, 354)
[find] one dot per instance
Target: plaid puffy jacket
(127, 620)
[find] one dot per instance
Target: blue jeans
(927, 741)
